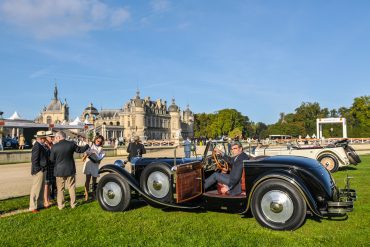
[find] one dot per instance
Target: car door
(188, 181)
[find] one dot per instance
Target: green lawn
(147, 226)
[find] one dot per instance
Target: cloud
(160, 5)
(39, 73)
(57, 18)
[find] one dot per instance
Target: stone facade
(148, 119)
(56, 112)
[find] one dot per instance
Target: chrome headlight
(119, 163)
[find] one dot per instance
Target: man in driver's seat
(232, 180)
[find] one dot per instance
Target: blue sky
(259, 57)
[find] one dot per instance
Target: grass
(146, 226)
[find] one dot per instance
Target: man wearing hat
(40, 161)
(232, 180)
(135, 149)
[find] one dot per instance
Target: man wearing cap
(40, 161)
(232, 180)
(135, 149)
(64, 167)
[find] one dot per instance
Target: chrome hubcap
(158, 184)
(277, 206)
(112, 194)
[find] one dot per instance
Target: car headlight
(120, 163)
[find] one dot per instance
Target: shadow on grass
(347, 168)
(136, 203)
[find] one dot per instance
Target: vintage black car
(279, 191)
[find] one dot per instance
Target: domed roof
(187, 110)
(173, 107)
(91, 109)
(137, 101)
(55, 105)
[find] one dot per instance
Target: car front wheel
(278, 205)
(113, 193)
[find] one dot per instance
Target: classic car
(279, 191)
(332, 156)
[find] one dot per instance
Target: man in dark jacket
(64, 167)
(40, 160)
(135, 149)
(232, 180)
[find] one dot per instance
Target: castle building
(55, 113)
(142, 117)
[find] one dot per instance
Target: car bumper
(346, 198)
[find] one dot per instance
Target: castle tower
(187, 123)
(56, 112)
(175, 122)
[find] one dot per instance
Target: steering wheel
(220, 163)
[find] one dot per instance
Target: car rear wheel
(278, 205)
(155, 181)
(113, 193)
(330, 162)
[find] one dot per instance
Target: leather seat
(220, 185)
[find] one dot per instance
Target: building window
(48, 120)
(118, 124)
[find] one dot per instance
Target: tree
(220, 123)
(307, 113)
(360, 115)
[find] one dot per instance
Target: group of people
(53, 168)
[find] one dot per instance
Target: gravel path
(16, 180)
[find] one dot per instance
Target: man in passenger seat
(232, 180)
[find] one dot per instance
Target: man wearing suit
(232, 180)
(135, 149)
(40, 161)
(64, 167)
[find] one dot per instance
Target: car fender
(295, 181)
(136, 186)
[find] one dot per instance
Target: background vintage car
(279, 191)
(331, 156)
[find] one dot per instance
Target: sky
(260, 57)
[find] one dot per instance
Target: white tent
(77, 121)
(15, 116)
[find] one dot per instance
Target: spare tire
(352, 155)
(155, 181)
(329, 161)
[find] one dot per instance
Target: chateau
(148, 119)
(145, 118)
